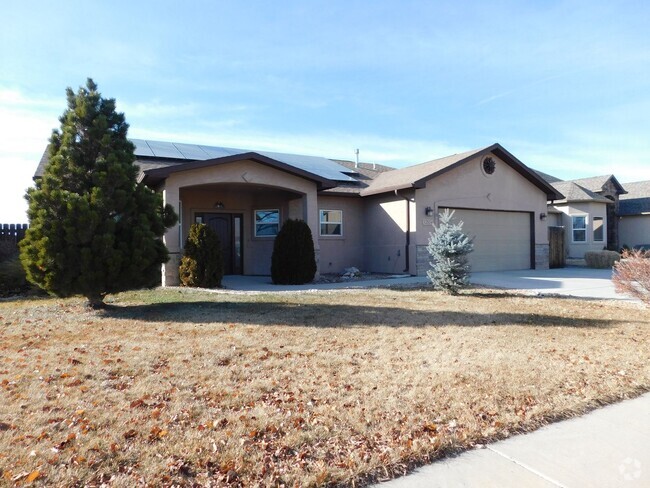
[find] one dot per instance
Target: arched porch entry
(247, 217)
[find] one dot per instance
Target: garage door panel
(501, 239)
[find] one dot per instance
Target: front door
(229, 229)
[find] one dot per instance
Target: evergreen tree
(449, 249)
(293, 261)
(93, 229)
(202, 262)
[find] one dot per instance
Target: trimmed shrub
(202, 262)
(12, 276)
(632, 275)
(293, 261)
(449, 248)
(601, 259)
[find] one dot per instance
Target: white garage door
(501, 239)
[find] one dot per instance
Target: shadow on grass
(333, 315)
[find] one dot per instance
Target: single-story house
(369, 216)
(634, 213)
(588, 212)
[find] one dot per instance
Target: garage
(502, 240)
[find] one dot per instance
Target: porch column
(310, 212)
(171, 239)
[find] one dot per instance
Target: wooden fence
(12, 233)
(557, 255)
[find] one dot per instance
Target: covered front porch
(245, 203)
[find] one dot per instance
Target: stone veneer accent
(541, 256)
(422, 259)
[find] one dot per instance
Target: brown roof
(575, 193)
(417, 176)
(637, 199)
(597, 183)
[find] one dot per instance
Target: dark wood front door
(229, 229)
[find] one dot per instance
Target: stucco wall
(385, 234)
(242, 187)
(244, 201)
(590, 209)
(338, 253)
(634, 230)
(469, 187)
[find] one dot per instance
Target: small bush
(202, 262)
(601, 259)
(632, 275)
(293, 261)
(449, 248)
(13, 280)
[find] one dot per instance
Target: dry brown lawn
(332, 388)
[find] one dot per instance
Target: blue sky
(563, 85)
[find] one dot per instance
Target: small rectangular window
(267, 223)
(598, 229)
(331, 222)
(579, 228)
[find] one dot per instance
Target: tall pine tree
(93, 229)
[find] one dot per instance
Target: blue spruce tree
(449, 249)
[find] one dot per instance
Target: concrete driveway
(571, 281)
(574, 281)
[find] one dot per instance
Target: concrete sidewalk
(609, 447)
(264, 283)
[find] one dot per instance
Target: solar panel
(141, 148)
(165, 150)
(220, 152)
(320, 166)
(323, 167)
(191, 151)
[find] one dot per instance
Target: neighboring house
(588, 212)
(369, 216)
(634, 212)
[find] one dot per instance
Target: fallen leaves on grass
(312, 389)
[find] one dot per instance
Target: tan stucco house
(634, 212)
(369, 216)
(588, 212)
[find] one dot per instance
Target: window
(598, 229)
(579, 228)
(331, 222)
(267, 223)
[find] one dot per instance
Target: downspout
(408, 230)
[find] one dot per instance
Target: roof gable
(576, 193)
(156, 175)
(600, 183)
(417, 176)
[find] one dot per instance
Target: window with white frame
(579, 228)
(331, 222)
(599, 232)
(267, 222)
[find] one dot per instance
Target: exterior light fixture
(542, 216)
(218, 205)
(428, 211)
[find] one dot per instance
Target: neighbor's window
(579, 228)
(598, 229)
(331, 222)
(267, 223)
